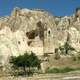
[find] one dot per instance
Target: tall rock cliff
(38, 31)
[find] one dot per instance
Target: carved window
(49, 32)
(29, 42)
(18, 42)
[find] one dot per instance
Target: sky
(55, 7)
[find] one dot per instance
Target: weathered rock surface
(36, 30)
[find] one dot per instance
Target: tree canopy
(26, 60)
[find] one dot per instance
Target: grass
(61, 70)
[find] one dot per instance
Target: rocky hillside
(38, 31)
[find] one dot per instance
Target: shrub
(25, 61)
(61, 70)
(57, 54)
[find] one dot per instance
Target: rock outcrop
(38, 31)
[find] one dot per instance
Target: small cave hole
(48, 32)
(18, 42)
(29, 42)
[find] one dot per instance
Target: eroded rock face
(38, 31)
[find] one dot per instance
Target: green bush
(25, 61)
(67, 69)
(61, 70)
(54, 70)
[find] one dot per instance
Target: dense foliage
(25, 61)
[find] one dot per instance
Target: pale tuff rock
(38, 31)
(75, 38)
(11, 44)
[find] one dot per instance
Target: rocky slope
(38, 31)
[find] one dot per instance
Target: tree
(66, 47)
(35, 62)
(57, 54)
(26, 60)
(19, 61)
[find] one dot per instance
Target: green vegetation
(28, 61)
(57, 54)
(61, 70)
(66, 47)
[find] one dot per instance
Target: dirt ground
(58, 76)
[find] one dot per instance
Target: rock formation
(38, 31)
